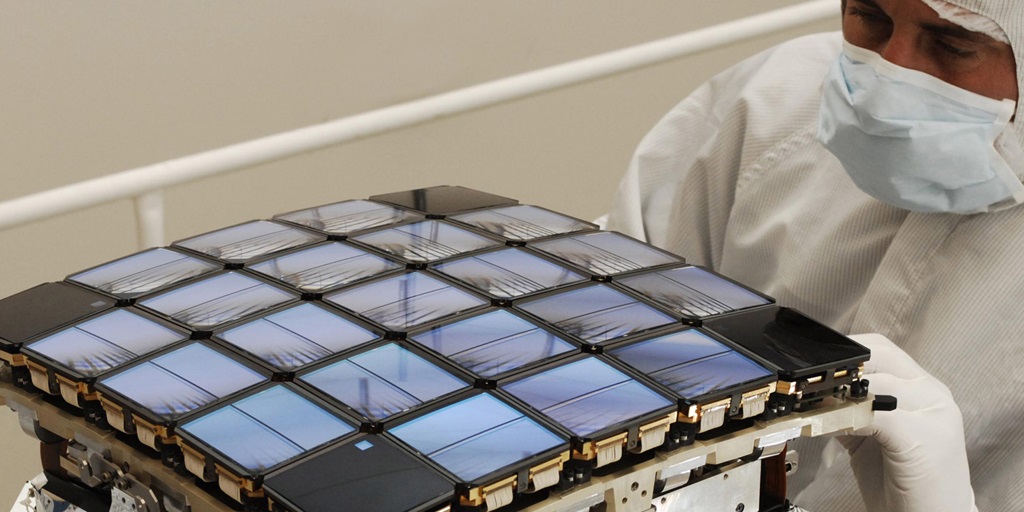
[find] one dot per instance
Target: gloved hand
(912, 459)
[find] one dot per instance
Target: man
(875, 185)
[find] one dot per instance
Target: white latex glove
(912, 459)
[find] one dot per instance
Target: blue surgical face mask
(913, 141)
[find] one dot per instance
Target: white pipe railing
(144, 183)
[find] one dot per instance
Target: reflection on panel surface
(425, 241)
(693, 292)
(322, 267)
(597, 314)
(509, 273)
(181, 381)
(297, 337)
(522, 222)
(477, 436)
(348, 216)
(244, 242)
(403, 302)
(143, 273)
(383, 382)
(104, 342)
(493, 343)
(606, 253)
(691, 363)
(587, 396)
(217, 299)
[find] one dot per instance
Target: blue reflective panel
(348, 216)
(522, 222)
(143, 273)
(319, 268)
(477, 436)
(509, 273)
(297, 336)
(597, 313)
(247, 241)
(105, 342)
(587, 396)
(218, 299)
(267, 428)
(384, 381)
(606, 253)
(493, 343)
(183, 380)
(693, 291)
(405, 301)
(690, 363)
(426, 241)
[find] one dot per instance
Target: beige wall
(90, 88)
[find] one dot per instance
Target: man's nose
(900, 49)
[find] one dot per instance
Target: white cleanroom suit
(734, 179)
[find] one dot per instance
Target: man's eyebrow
(957, 32)
(869, 3)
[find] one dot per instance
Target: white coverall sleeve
(912, 459)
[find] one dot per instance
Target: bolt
(740, 507)
(634, 487)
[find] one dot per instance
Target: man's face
(910, 34)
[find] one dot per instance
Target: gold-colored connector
(546, 474)
(40, 376)
(152, 435)
(195, 462)
(605, 451)
(73, 392)
(495, 495)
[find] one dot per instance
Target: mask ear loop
(1009, 165)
